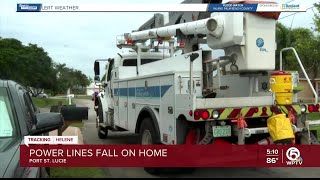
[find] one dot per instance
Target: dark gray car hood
(6, 157)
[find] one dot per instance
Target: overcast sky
(77, 39)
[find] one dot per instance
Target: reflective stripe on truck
(250, 112)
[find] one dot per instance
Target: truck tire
(47, 169)
(100, 112)
(102, 135)
(148, 136)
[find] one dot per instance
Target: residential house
(92, 88)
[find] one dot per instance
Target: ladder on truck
(308, 135)
(244, 133)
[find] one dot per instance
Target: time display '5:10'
(272, 151)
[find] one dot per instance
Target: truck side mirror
(104, 84)
(46, 122)
(96, 68)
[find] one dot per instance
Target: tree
(316, 67)
(90, 79)
(306, 44)
(70, 78)
(283, 40)
(9, 54)
(32, 67)
(29, 65)
(103, 77)
(316, 18)
(40, 67)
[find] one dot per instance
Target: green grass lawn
(47, 102)
(82, 97)
(316, 128)
(77, 172)
(314, 116)
(79, 125)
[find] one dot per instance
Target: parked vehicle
(42, 95)
(194, 98)
(18, 118)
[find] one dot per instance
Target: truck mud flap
(74, 113)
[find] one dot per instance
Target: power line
(295, 13)
(313, 12)
(289, 1)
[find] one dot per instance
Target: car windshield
(7, 125)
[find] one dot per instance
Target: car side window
(30, 107)
(29, 99)
(130, 62)
(7, 125)
(110, 70)
(27, 108)
(8, 121)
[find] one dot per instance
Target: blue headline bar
(29, 7)
(273, 7)
(232, 7)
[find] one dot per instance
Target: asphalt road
(90, 137)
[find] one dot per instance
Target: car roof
(7, 83)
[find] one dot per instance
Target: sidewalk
(70, 131)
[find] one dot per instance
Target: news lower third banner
(33, 7)
(35, 155)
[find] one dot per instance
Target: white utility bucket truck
(197, 98)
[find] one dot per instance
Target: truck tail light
(197, 115)
(316, 108)
(201, 113)
(205, 115)
(311, 107)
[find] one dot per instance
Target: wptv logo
(294, 157)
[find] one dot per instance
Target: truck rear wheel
(47, 170)
(148, 136)
(100, 111)
(102, 132)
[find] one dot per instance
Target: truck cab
(122, 66)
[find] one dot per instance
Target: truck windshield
(7, 125)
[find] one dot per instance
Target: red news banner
(170, 156)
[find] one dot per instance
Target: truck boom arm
(212, 26)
